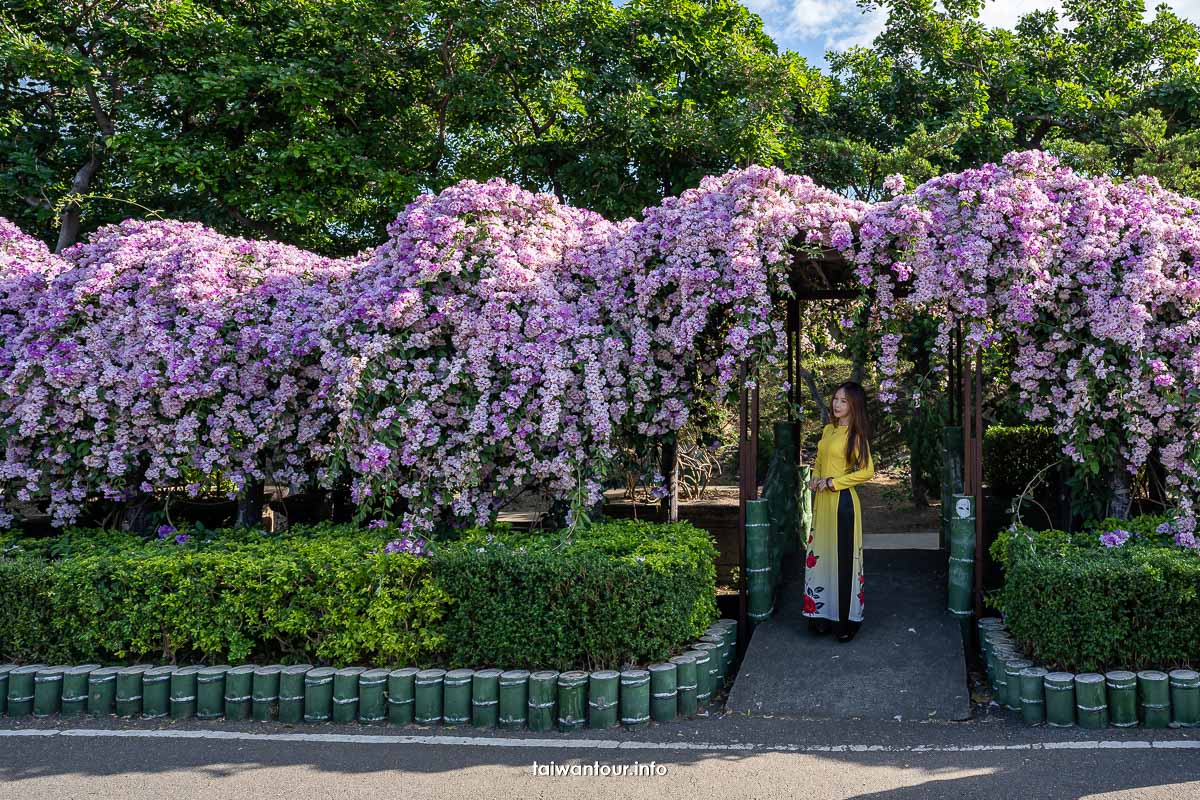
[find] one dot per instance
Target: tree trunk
(811, 383)
(1118, 484)
(68, 232)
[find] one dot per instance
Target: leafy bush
(332, 594)
(328, 593)
(620, 592)
(1012, 456)
(1078, 605)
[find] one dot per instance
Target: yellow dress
(830, 545)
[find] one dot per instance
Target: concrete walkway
(906, 663)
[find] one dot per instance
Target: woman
(833, 570)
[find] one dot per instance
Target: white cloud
(810, 27)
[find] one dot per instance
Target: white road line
(603, 744)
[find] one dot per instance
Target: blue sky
(810, 27)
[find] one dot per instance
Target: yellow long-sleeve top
(831, 459)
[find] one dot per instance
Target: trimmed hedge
(330, 594)
(620, 592)
(1076, 605)
(1012, 455)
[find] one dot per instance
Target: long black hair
(857, 445)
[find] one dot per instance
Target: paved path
(727, 757)
(905, 663)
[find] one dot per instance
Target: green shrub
(330, 594)
(1012, 456)
(327, 593)
(1074, 604)
(621, 592)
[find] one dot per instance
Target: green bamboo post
(993, 637)
(542, 699)
(717, 638)
(264, 689)
(996, 675)
(5, 669)
(485, 697)
(685, 677)
(372, 689)
(1185, 697)
(1060, 699)
(291, 693)
(572, 700)
(402, 695)
(728, 637)
(514, 699)
(704, 688)
(664, 693)
(1012, 676)
(318, 694)
(345, 694)
(47, 690)
(239, 692)
(603, 699)
(731, 639)
(210, 691)
(102, 691)
(1122, 698)
(984, 627)
(962, 554)
(156, 692)
(803, 476)
(635, 698)
(183, 691)
(456, 697)
(75, 690)
(758, 561)
(129, 690)
(21, 689)
(427, 710)
(1091, 704)
(715, 680)
(1033, 695)
(1154, 696)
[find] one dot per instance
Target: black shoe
(845, 637)
(819, 626)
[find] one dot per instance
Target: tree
(980, 92)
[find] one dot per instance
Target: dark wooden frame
(828, 276)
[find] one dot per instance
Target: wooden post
(743, 450)
(978, 462)
(668, 507)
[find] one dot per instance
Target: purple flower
(182, 538)
(165, 530)
(377, 523)
(1114, 538)
(416, 547)
(894, 184)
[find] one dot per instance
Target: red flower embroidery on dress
(810, 606)
(811, 561)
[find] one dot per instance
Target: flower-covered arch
(500, 340)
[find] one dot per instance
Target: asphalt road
(732, 756)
